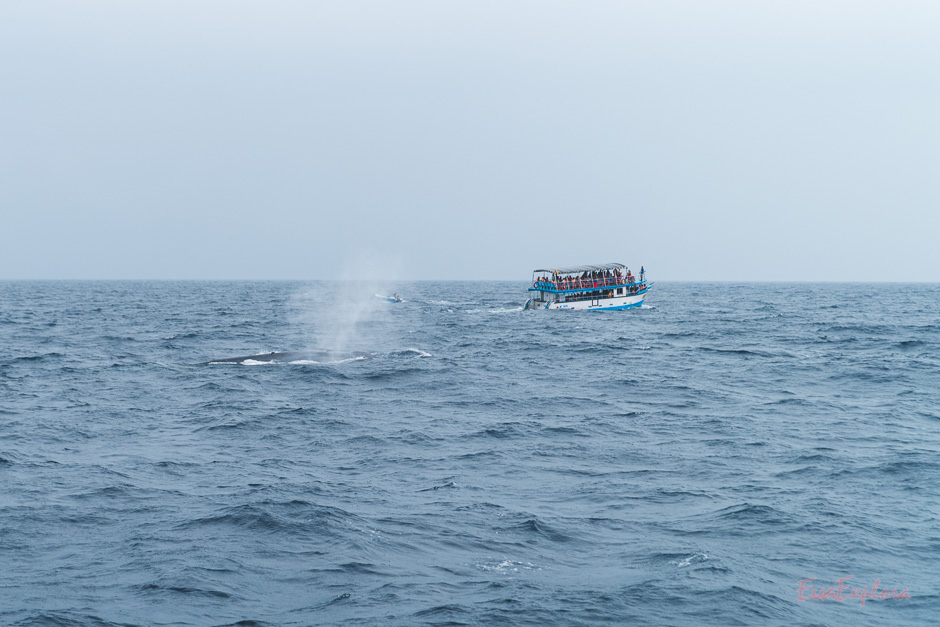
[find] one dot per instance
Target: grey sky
(469, 140)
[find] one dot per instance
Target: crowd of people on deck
(594, 279)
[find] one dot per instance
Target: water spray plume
(344, 314)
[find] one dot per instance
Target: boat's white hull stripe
(599, 304)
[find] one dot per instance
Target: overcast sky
(706, 140)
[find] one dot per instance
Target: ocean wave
(291, 517)
(187, 335)
(532, 528)
(751, 513)
(41, 357)
(151, 588)
(449, 484)
(678, 560)
(62, 618)
(443, 611)
(741, 351)
(506, 566)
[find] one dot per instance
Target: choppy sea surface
(455, 460)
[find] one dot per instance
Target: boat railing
(585, 284)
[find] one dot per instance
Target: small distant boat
(395, 298)
(606, 287)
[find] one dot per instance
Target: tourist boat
(390, 299)
(597, 288)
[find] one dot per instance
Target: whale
(283, 357)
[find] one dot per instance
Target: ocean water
(454, 460)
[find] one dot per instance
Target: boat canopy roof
(582, 269)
